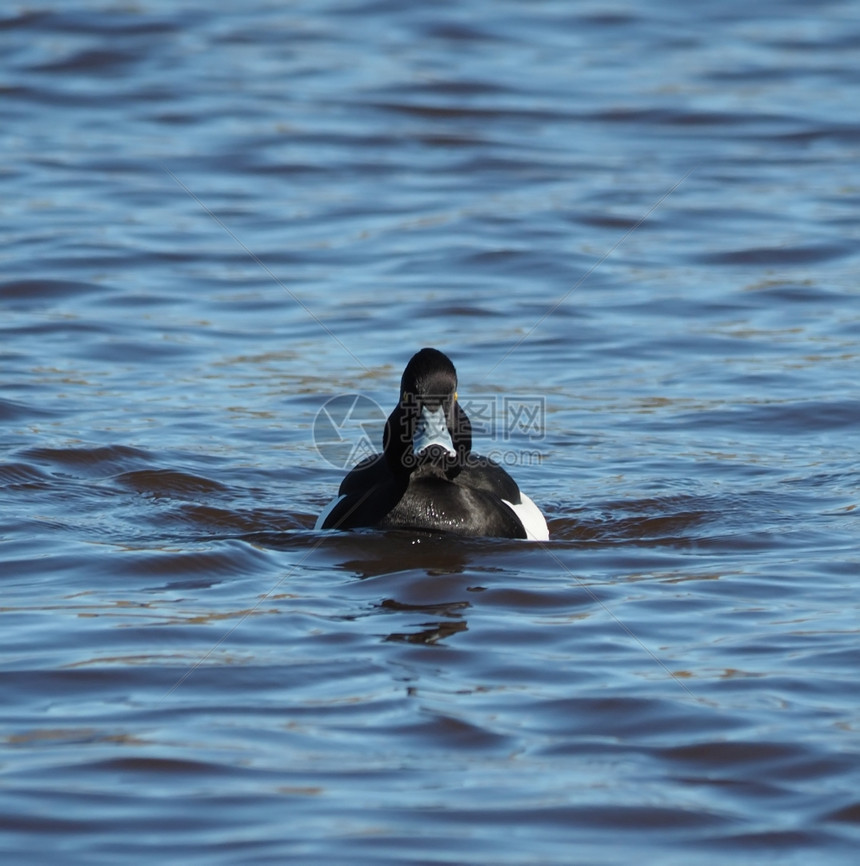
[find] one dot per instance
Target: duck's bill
(432, 429)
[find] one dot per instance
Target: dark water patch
(45, 825)
(848, 814)
(117, 350)
(655, 118)
(23, 18)
(445, 732)
(141, 300)
(30, 565)
(444, 609)
(790, 842)
(646, 819)
(750, 757)
(622, 720)
(94, 61)
(54, 95)
(453, 310)
(668, 529)
(115, 23)
(372, 553)
(782, 256)
(439, 110)
(667, 519)
(782, 419)
(453, 87)
(92, 462)
(808, 292)
(552, 600)
(607, 220)
(254, 525)
(428, 633)
(19, 411)
(841, 133)
(171, 483)
(37, 295)
(50, 327)
(458, 31)
(198, 568)
(21, 475)
(608, 19)
(136, 766)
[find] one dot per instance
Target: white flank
(327, 510)
(531, 518)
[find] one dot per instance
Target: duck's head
(428, 429)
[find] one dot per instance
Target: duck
(427, 479)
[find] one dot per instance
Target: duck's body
(427, 478)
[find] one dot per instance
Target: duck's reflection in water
(423, 580)
(430, 633)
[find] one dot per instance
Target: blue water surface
(638, 222)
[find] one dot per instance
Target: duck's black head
(428, 431)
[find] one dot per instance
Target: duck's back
(438, 505)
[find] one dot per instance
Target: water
(639, 220)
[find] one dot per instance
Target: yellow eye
(455, 396)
